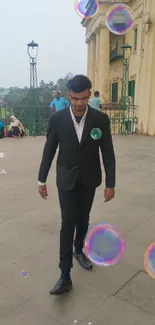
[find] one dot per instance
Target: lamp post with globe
(126, 56)
(125, 103)
(32, 50)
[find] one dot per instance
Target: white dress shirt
(78, 128)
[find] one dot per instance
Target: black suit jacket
(78, 159)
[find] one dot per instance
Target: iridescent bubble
(69, 75)
(24, 274)
(149, 260)
(119, 19)
(96, 133)
(86, 9)
(104, 244)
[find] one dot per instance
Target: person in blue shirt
(1, 129)
(95, 102)
(59, 102)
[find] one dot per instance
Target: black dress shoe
(61, 287)
(83, 261)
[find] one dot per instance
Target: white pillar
(88, 59)
(97, 60)
(104, 64)
(92, 61)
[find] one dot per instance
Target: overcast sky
(55, 26)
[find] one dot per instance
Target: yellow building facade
(105, 60)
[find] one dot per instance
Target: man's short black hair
(96, 93)
(79, 83)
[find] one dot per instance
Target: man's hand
(43, 191)
(109, 194)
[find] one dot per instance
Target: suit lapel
(70, 126)
(87, 126)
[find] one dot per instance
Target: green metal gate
(35, 119)
(123, 121)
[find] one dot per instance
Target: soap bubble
(119, 19)
(69, 75)
(24, 274)
(104, 244)
(96, 133)
(149, 260)
(86, 9)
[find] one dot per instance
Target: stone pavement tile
(137, 188)
(27, 314)
(77, 305)
(19, 235)
(146, 201)
(3, 218)
(17, 205)
(124, 221)
(137, 212)
(126, 217)
(40, 217)
(121, 197)
(149, 181)
(140, 292)
(134, 253)
(144, 233)
(125, 179)
(109, 279)
(117, 312)
(41, 275)
(10, 256)
(102, 209)
(8, 301)
(50, 254)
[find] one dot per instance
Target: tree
(62, 85)
(32, 106)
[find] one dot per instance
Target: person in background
(1, 130)
(16, 128)
(95, 102)
(59, 103)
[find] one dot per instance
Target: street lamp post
(126, 56)
(32, 50)
(125, 118)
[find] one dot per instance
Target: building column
(97, 58)
(104, 64)
(151, 108)
(88, 59)
(92, 61)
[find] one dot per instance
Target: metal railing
(35, 119)
(115, 54)
(123, 120)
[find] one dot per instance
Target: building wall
(141, 64)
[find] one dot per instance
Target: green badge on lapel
(96, 133)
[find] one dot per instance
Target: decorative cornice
(94, 29)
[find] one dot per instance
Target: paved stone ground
(29, 240)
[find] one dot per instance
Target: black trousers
(75, 208)
(15, 131)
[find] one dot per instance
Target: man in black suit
(78, 172)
